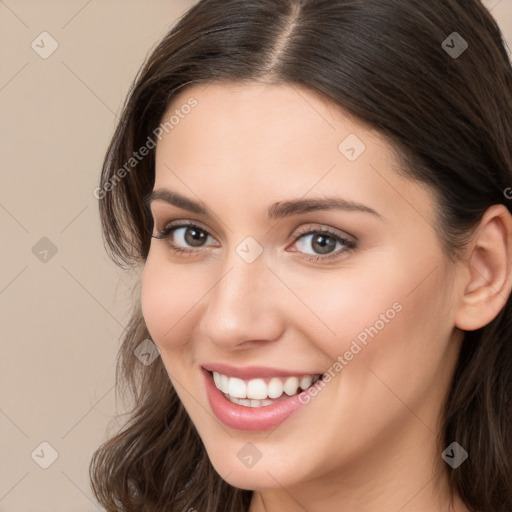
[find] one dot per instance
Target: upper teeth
(259, 389)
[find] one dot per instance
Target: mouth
(255, 399)
(262, 392)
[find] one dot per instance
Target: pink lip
(240, 417)
(253, 372)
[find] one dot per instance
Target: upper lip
(253, 372)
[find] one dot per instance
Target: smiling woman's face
(358, 289)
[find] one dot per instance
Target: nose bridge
(239, 307)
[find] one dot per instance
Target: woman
(316, 193)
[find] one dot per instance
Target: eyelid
(294, 235)
(164, 214)
(314, 228)
(178, 223)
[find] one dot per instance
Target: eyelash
(349, 245)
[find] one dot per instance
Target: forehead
(269, 116)
(245, 142)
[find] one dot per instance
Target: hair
(448, 118)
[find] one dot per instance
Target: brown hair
(448, 116)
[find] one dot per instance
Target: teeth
(291, 385)
(249, 403)
(217, 378)
(275, 388)
(257, 389)
(305, 382)
(237, 388)
(256, 392)
(224, 383)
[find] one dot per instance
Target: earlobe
(488, 276)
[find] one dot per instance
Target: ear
(488, 270)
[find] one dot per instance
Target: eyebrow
(276, 211)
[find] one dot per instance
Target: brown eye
(194, 236)
(323, 244)
(320, 242)
(185, 236)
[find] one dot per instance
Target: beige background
(61, 318)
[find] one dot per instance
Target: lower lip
(240, 417)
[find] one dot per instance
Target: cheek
(345, 305)
(404, 355)
(395, 320)
(167, 299)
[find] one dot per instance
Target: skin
(368, 440)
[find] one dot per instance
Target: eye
(183, 238)
(315, 244)
(321, 244)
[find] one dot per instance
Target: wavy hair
(447, 116)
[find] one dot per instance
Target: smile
(261, 392)
(255, 398)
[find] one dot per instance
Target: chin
(259, 473)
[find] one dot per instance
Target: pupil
(324, 244)
(195, 237)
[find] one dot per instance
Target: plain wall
(63, 304)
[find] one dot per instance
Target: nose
(243, 308)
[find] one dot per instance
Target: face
(288, 247)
